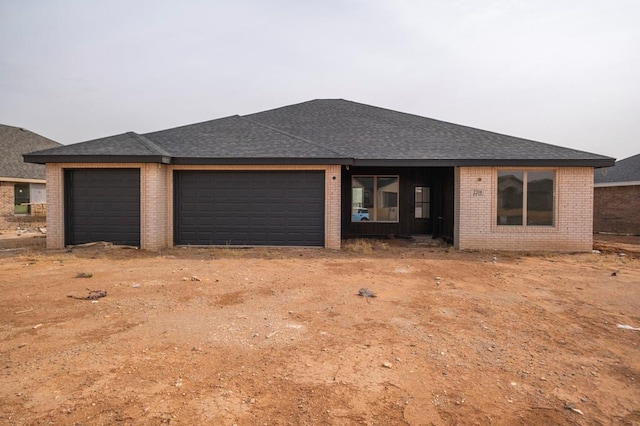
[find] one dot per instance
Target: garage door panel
(102, 205)
(252, 208)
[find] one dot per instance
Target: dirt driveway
(279, 337)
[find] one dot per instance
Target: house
(617, 198)
(307, 175)
(22, 185)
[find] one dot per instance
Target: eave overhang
(43, 159)
(596, 163)
(260, 161)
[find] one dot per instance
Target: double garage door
(249, 208)
(210, 207)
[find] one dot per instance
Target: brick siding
(156, 199)
(9, 221)
(616, 209)
(476, 208)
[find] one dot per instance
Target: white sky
(565, 72)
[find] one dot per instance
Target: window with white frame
(526, 198)
(374, 198)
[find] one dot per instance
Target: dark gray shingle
(334, 129)
(15, 141)
(367, 132)
(627, 170)
(233, 137)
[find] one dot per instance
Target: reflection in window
(422, 202)
(510, 190)
(540, 198)
(374, 198)
(21, 198)
(525, 197)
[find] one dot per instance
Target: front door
(422, 223)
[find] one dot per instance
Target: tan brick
(475, 216)
(156, 199)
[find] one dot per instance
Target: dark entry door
(249, 208)
(102, 205)
(422, 223)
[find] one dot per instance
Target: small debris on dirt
(595, 251)
(365, 292)
(614, 274)
(575, 410)
(24, 312)
(627, 327)
(387, 364)
(84, 275)
(135, 285)
(37, 326)
(194, 278)
(93, 295)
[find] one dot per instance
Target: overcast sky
(565, 72)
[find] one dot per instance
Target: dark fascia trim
(43, 159)
(596, 163)
(261, 161)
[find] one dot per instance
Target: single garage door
(102, 205)
(249, 208)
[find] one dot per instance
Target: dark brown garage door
(102, 205)
(249, 208)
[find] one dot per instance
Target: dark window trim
(375, 189)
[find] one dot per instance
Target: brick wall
(154, 206)
(6, 205)
(9, 221)
(476, 209)
(156, 198)
(616, 209)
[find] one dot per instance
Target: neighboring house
(304, 174)
(617, 198)
(22, 185)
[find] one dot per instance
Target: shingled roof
(624, 171)
(327, 131)
(14, 142)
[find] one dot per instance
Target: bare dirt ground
(280, 336)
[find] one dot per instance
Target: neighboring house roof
(328, 131)
(14, 142)
(625, 171)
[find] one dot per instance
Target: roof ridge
(150, 145)
(191, 124)
(468, 127)
(291, 135)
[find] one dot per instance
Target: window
(374, 198)
(21, 198)
(525, 197)
(422, 202)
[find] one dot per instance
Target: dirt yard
(281, 337)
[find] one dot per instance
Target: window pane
(421, 208)
(540, 198)
(510, 198)
(361, 198)
(387, 199)
(21, 196)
